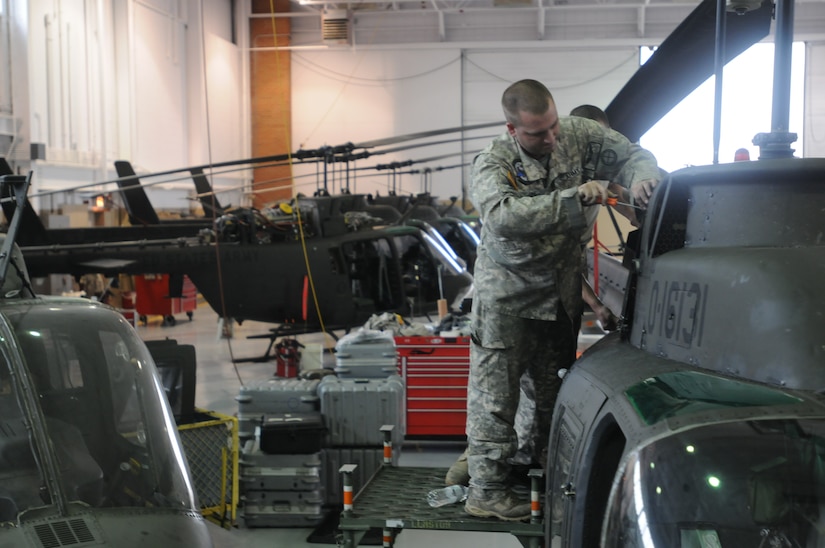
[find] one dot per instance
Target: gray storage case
(366, 354)
(355, 409)
(270, 396)
(282, 514)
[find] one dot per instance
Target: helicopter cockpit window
(418, 268)
(373, 273)
(20, 479)
(746, 483)
(112, 435)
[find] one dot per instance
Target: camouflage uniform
(528, 278)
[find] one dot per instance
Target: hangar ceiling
(505, 23)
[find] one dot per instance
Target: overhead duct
(335, 27)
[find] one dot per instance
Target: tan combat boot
(458, 474)
(502, 504)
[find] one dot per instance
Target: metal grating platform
(396, 499)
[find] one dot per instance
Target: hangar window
(684, 136)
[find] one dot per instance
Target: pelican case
(253, 458)
(355, 409)
(366, 354)
(292, 434)
(306, 477)
(267, 396)
(266, 472)
(282, 513)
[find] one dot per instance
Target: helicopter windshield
(747, 483)
(87, 381)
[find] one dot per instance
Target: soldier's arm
(509, 210)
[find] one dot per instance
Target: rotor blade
(296, 156)
(419, 145)
(434, 158)
(302, 157)
(420, 171)
(378, 167)
(396, 165)
(423, 135)
(368, 175)
(683, 61)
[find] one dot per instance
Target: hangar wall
(99, 80)
(357, 96)
(108, 80)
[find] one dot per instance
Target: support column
(271, 106)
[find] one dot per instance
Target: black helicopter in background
(314, 264)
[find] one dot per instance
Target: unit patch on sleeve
(609, 157)
(592, 157)
(518, 167)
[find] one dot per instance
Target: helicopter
(695, 423)
(305, 266)
(701, 421)
(90, 451)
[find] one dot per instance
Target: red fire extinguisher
(287, 358)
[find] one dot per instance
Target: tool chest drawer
(435, 370)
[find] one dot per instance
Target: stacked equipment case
(281, 490)
(366, 354)
(355, 410)
(297, 433)
(283, 433)
(262, 397)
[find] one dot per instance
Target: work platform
(396, 499)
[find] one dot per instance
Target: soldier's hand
(623, 196)
(606, 317)
(643, 190)
(593, 192)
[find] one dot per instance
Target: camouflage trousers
(503, 348)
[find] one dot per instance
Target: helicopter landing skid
(283, 331)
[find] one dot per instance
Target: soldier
(531, 186)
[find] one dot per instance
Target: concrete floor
(218, 382)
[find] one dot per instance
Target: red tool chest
(435, 370)
(152, 297)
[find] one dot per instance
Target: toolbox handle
(347, 355)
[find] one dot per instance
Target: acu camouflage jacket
(532, 222)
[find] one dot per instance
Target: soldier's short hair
(525, 96)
